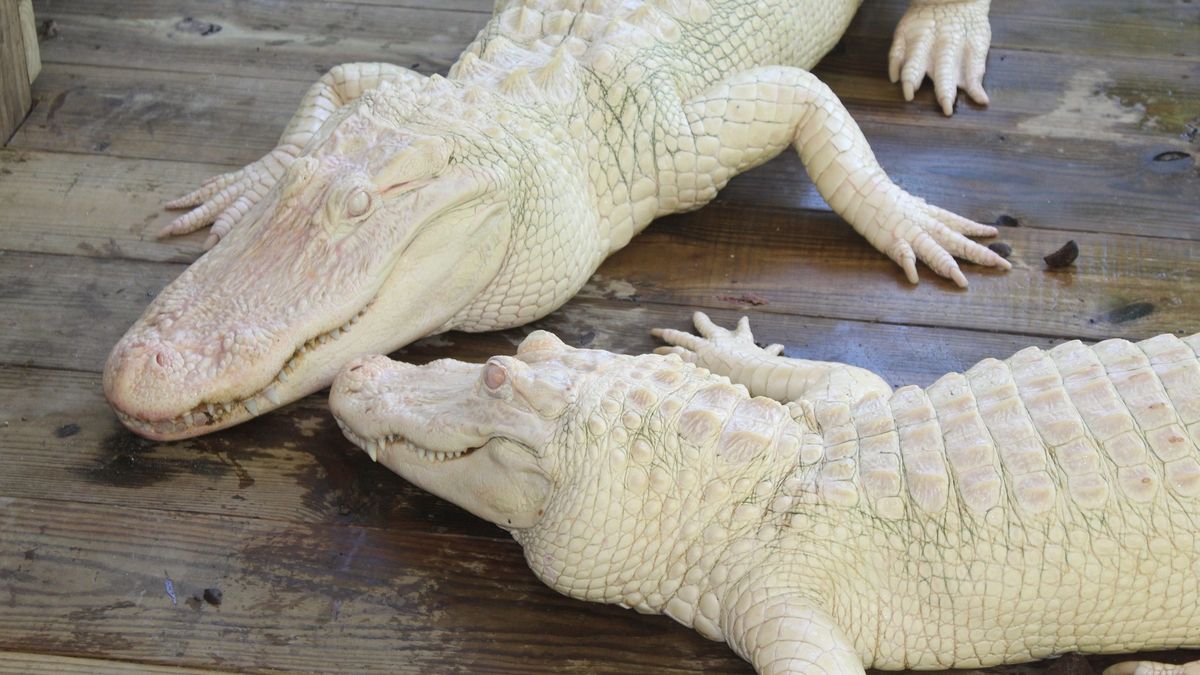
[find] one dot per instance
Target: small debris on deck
(170, 588)
(213, 596)
(201, 28)
(1063, 256)
(1001, 249)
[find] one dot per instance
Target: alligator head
(479, 435)
(395, 218)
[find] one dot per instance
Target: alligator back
(1038, 505)
(698, 41)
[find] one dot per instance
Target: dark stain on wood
(1171, 156)
(1005, 220)
(1126, 313)
(128, 460)
(99, 613)
(66, 430)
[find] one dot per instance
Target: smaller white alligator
(1045, 504)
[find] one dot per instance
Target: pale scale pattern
(1016, 535)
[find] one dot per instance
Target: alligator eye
(358, 203)
(494, 376)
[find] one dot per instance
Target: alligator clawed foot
(715, 348)
(225, 199)
(947, 41)
(906, 228)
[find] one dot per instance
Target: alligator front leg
(763, 371)
(1153, 668)
(947, 40)
(782, 633)
(223, 200)
(754, 115)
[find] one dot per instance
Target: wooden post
(20, 62)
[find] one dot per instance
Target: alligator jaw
(394, 444)
(211, 416)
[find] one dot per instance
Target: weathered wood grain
(813, 265)
(29, 39)
(86, 580)
(1035, 93)
(256, 39)
(74, 309)
(1118, 96)
(93, 205)
(15, 96)
(92, 581)
(48, 664)
(63, 298)
(1101, 28)
(1070, 183)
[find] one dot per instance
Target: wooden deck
(327, 561)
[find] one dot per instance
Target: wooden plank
(92, 205)
(1093, 27)
(1032, 93)
(48, 664)
(1098, 28)
(29, 39)
(15, 97)
(63, 298)
(112, 207)
(1077, 184)
(1092, 96)
(97, 582)
(1121, 286)
(91, 581)
(256, 39)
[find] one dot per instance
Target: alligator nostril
(160, 359)
(355, 368)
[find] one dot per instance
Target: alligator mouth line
(374, 446)
(216, 413)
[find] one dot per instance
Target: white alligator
(1044, 504)
(397, 205)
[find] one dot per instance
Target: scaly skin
(1040, 505)
(398, 205)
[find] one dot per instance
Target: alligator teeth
(282, 376)
(272, 395)
(251, 406)
(335, 333)
(372, 448)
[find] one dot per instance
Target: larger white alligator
(398, 205)
(1044, 504)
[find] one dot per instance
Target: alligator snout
(142, 379)
(361, 370)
